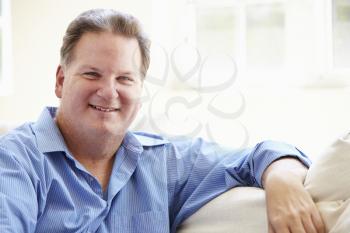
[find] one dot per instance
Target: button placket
(94, 185)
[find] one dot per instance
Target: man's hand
(290, 208)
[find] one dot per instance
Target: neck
(95, 151)
(92, 147)
(101, 169)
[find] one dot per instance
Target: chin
(111, 130)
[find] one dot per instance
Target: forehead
(107, 48)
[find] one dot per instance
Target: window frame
(342, 74)
(6, 84)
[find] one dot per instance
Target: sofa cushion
(5, 127)
(328, 183)
(329, 176)
(239, 210)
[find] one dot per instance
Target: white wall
(310, 118)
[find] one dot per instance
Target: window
(210, 29)
(297, 42)
(252, 32)
(265, 35)
(278, 40)
(5, 48)
(341, 34)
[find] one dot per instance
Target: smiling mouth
(103, 109)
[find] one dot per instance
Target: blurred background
(233, 71)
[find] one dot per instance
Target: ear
(59, 81)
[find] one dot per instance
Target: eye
(125, 79)
(92, 75)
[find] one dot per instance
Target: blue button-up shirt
(155, 183)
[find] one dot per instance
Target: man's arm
(200, 171)
(290, 208)
(18, 201)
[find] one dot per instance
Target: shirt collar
(147, 139)
(48, 136)
(136, 141)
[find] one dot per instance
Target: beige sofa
(239, 210)
(4, 128)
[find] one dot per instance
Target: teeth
(103, 109)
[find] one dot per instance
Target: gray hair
(102, 20)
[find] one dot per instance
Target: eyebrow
(90, 67)
(100, 71)
(127, 73)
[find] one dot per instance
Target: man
(79, 169)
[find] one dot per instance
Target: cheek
(130, 96)
(75, 97)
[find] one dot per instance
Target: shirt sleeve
(18, 201)
(205, 170)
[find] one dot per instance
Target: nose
(108, 89)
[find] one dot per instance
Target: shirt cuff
(272, 151)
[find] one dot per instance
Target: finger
(297, 227)
(271, 228)
(318, 222)
(309, 225)
(278, 228)
(285, 230)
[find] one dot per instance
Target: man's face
(100, 88)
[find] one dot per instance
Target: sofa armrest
(239, 210)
